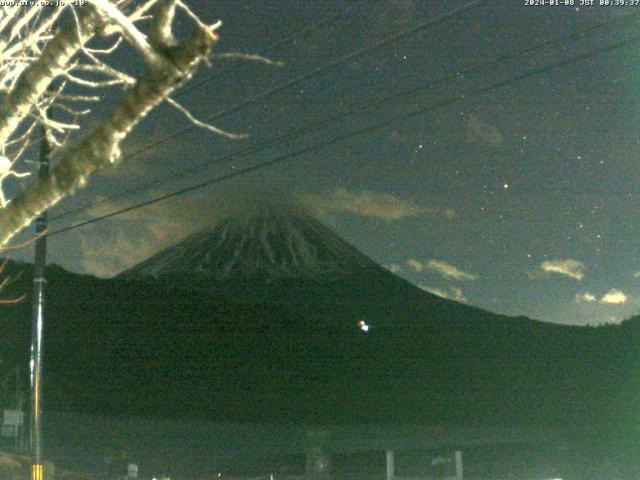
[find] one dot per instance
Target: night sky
(521, 199)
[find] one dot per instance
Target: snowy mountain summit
(262, 240)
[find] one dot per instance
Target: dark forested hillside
(115, 346)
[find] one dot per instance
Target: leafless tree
(7, 279)
(49, 60)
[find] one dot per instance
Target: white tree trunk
(35, 80)
(100, 147)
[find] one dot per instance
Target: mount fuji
(265, 242)
(259, 318)
(272, 250)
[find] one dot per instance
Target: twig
(201, 124)
(250, 57)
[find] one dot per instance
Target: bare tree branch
(201, 124)
(135, 37)
(35, 58)
(8, 279)
(102, 146)
(35, 80)
(161, 35)
(250, 57)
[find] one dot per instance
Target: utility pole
(391, 467)
(38, 322)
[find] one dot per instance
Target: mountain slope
(264, 242)
(258, 319)
(137, 348)
(275, 252)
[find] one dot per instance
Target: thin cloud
(105, 250)
(367, 204)
(445, 269)
(436, 291)
(449, 271)
(417, 265)
(585, 297)
(394, 268)
(615, 297)
(455, 293)
(458, 296)
(568, 267)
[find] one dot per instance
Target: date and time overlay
(581, 3)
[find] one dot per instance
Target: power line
(278, 139)
(224, 71)
(317, 71)
(362, 131)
